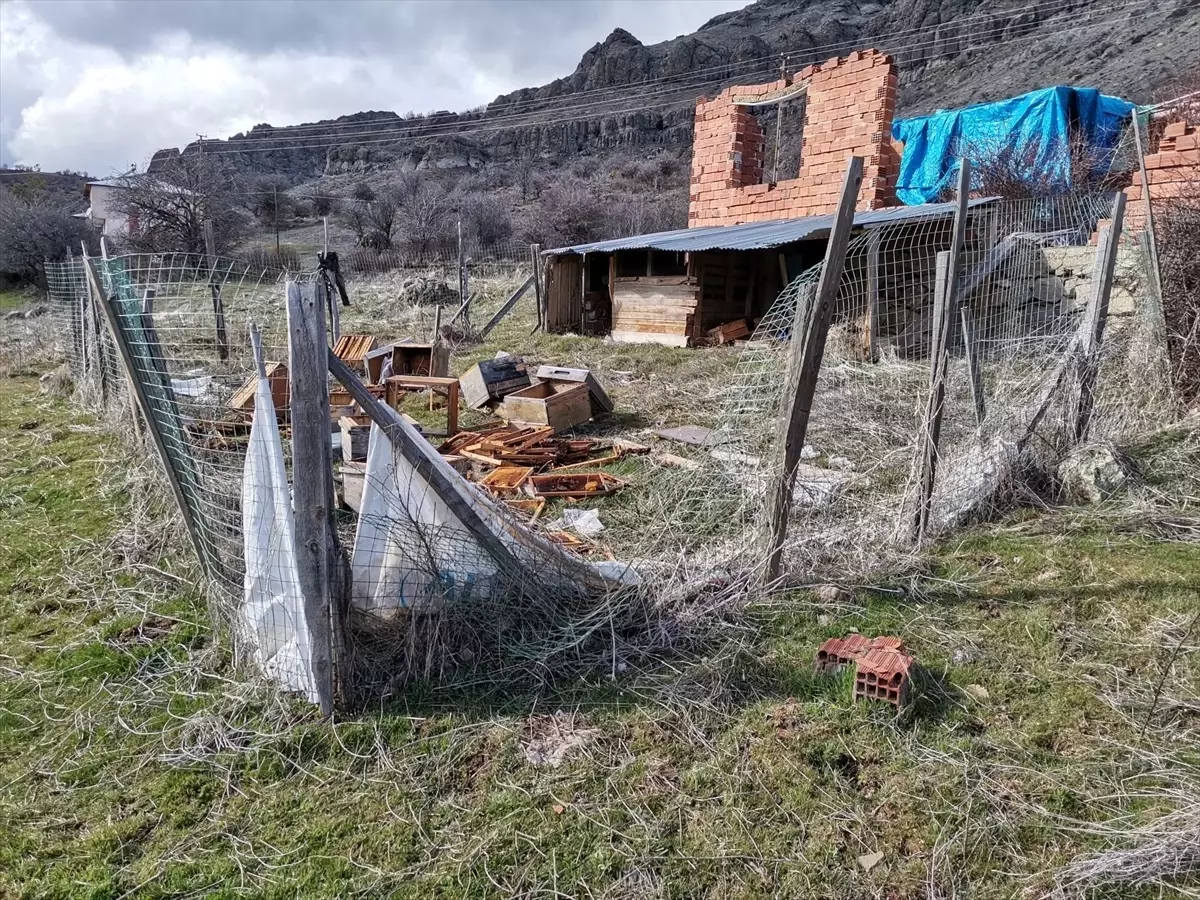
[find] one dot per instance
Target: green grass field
(133, 763)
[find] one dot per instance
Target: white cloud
(68, 100)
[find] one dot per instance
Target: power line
(729, 70)
(584, 112)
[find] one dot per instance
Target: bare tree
(381, 221)
(35, 227)
(425, 213)
(167, 209)
(487, 218)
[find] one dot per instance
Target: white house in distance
(104, 207)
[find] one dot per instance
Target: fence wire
(1028, 274)
(424, 596)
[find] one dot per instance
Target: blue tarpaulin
(1032, 129)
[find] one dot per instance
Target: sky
(99, 85)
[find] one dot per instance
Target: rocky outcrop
(949, 53)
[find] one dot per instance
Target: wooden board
(559, 405)
(352, 349)
(646, 337)
(430, 360)
(277, 377)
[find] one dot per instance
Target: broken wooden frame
(398, 385)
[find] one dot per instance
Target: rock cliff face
(950, 53)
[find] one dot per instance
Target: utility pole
(275, 204)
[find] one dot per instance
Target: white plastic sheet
(272, 613)
(410, 550)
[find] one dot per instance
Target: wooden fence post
(971, 348)
(1097, 313)
(535, 254)
(872, 323)
(210, 250)
(945, 306)
(804, 363)
(311, 473)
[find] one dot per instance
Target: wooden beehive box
(373, 362)
(493, 379)
(429, 360)
(352, 349)
(277, 377)
(560, 404)
(600, 401)
(356, 436)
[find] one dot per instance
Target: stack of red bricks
(1172, 170)
(848, 112)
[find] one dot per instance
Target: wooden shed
(675, 287)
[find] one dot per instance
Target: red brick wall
(1172, 170)
(848, 111)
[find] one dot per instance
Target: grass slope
(134, 764)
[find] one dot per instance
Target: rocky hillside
(626, 94)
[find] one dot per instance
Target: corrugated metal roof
(762, 235)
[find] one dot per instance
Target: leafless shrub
(1017, 171)
(167, 209)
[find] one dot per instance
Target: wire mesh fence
(1009, 414)
(433, 574)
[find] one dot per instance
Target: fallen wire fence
(434, 576)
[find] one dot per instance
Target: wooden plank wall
(564, 293)
(654, 309)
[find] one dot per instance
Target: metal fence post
(804, 363)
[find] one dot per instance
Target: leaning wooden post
(970, 335)
(804, 363)
(311, 471)
(535, 253)
(214, 285)
(945, 306)
(1097, 313)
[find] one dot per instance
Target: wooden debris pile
(525, 467)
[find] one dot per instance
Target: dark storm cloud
(98, 84)
(529, 35)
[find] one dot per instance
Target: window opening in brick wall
(783, 134)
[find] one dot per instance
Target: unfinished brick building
(1172, 170)
(848, 108)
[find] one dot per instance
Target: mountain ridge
(624, 93)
